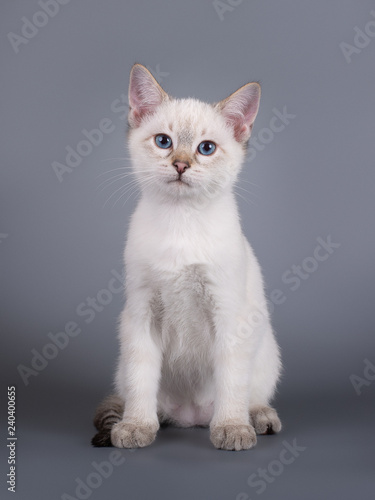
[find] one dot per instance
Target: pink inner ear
(240, 110)
(241, 133)
(145, 94)
(241, 129)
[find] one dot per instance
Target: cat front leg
(230, 428)
(137, 380)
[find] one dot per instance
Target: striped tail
(108, 413)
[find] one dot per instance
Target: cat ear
(240, 110)
(145, 94)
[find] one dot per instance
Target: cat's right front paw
(133, 435)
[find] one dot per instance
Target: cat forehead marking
(185, 137)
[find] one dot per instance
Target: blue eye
(163, 141)
(206, 148)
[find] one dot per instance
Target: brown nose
(181, 166)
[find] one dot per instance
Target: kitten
(197, 346)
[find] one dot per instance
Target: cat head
(185, 148)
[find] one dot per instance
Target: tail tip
(101, 439)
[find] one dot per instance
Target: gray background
(60, 241)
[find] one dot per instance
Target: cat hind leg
(265, 419)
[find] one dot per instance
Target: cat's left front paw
(129, 435)
(233, 437)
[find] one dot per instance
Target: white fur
(196, 342)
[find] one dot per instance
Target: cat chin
(177, 191)
(179, 183)
(174, 186)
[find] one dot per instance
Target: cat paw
(233, 437)
(265, 420)
(129, 435)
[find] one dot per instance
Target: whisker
(248, 182)
(134, 189)
(111, 196)
(127, 167)
(247, 200)
(130, 185)
(117, 177)
(246, 191)
(113, 170)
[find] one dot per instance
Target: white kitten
(197, 346)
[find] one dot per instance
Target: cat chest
(182, 305)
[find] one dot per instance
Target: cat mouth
(178, 181)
